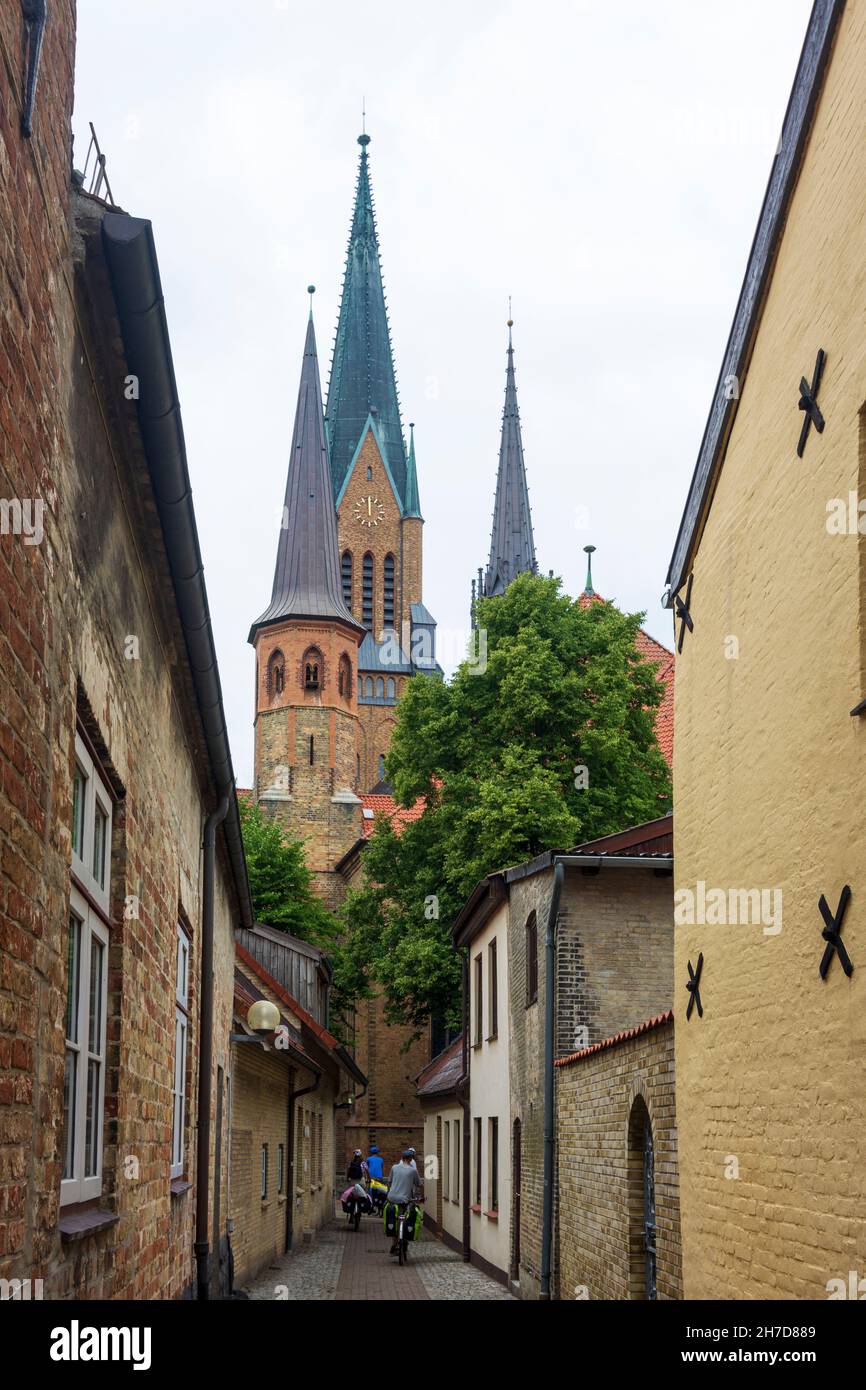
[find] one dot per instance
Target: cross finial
(311, 290)
(510, 321)
(589, 550)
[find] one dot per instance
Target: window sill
(492, 1037)
(455, 1201)
(476, 1207)
(78, 1225)
(479, 1042)
(281, 1201)
(492, 1215)
(179, 1186)
(530, 1003)
(265, 1203)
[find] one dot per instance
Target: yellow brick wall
(769, 770)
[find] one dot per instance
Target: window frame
(477, 1145)
(96, 795)
(281, 1169)
(531, 939)
(181, 1052)
(493, 1164)
(492, 991)
(80, 1186)
(264, 1173)
(478, 983)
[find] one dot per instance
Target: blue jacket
(376, 1166)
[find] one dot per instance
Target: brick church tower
(306, 643)
(375, 485)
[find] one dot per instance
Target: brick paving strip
(370, 1273)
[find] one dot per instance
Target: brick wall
(601, 1101)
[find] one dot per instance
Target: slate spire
(512, 547)
(307, 574)
(412, 503)
(363, 381)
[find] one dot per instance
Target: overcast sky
(602, 163)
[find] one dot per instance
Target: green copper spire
(412, 503)
(589, 551)
(362, 381)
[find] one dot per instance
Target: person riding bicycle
(404, 1185)
(356, 1169)
(375, 1164)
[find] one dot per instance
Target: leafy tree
(496, 756)
(280, 882)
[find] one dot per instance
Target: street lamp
(263, 1018)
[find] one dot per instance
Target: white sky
(603, 163)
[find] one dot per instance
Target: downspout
(463, 1095)
(549, 1042)
(202, 1244)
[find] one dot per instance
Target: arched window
(313, 669)
(381, 767)
(369, 687)
(641, 1203)
(392, 688)
(531, 959)
(380, 688)
(347, 579)
(388, 591)
(276, 674)
(344, 677)
(367, 591)
(369, 474)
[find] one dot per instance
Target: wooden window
(367, 591)
(446, 1158)
(299, 1160)
(264, 1172)
(181, 1039)
(492, 999)
(479, 1000)
(86, 982)
(493, 1164)
(388, 591)
(319, 1148)
(476, 1124)
(347, 567)
(455, 1167)
(314, 1157)
(531, 959)
(281, 1167)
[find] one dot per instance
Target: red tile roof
(646, 1027)
(651, 650)
(389, 808)
(440, 1077)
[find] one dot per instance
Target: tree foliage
(281, 884)
(495, 755)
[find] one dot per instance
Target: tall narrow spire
(412, 502)
(307, 574)
(363, 381)
(512, 547)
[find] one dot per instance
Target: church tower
(307, 745)
(512, 546)
(375, 488)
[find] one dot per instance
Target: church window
(369, 474)
(313, 668)
(381, 767)
(347, 579)
(392, 688)
(367, 592)
(388, 590)
(344, 677)
(276, 674)
(369, 687)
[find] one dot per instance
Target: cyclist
(355, 1170)
(404, 1185)
(375, 1164)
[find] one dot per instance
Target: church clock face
(369, 511)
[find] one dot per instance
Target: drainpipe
(549, 1042)
(202, 1244)
(463, 1096)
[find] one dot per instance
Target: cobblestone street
(342, 1265)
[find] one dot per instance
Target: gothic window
(531, 959)
(381, 767)
(367, 591)
(344, 677)
(314, 669)
(369, 687)
(392, 688)
(347, 579)
(369, 474)
(276, 674)
(388, 591)
(380, 688)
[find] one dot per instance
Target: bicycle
(405, 1217)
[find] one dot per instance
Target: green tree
(496, 755)
(280, 882)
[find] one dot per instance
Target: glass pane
(79, 789)
(91, 1129)
(73, 948)
(69, 1114)
(97, 953)
(100, 837)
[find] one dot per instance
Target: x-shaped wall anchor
(692, 985)
(832, 934)
(809, 402)
(682, 611)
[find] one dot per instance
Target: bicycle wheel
(358, 1219)
(401, 1249)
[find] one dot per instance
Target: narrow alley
(342, 1265)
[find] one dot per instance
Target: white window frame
(79, 1187)
(446, 1159)
(181, 1046)
(95, 795)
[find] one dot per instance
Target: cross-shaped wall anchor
(681, 607)
(693, 987)
(809, 402)
(832, 934)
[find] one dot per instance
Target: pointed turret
(363, 381)
(512, 547)
(412, 504)
(307, 574)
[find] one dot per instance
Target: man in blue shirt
(375, 1164)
